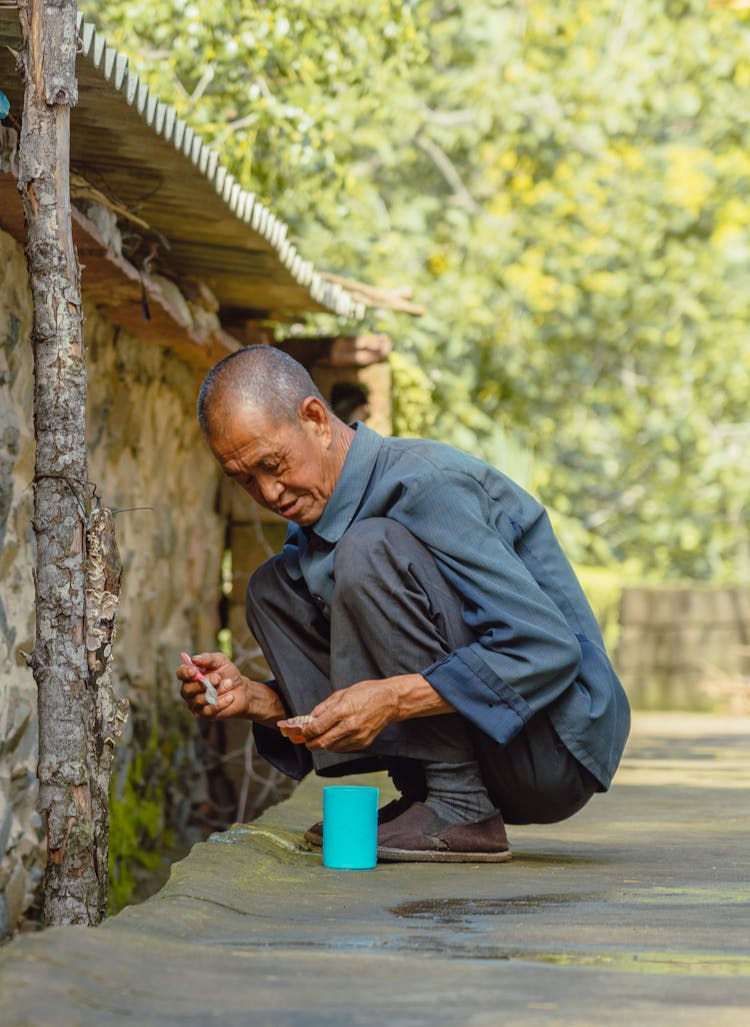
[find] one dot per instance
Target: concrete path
(636, 911)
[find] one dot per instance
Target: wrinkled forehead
(241, 442)
(230, 412)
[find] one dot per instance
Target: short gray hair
(261, 377)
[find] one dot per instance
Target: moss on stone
(139, 837)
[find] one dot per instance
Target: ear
(315, 417)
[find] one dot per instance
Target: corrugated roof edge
(245, 206)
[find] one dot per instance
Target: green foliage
(413, 410)
(138, 837)
(566, 189)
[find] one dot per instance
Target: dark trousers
(393, 613)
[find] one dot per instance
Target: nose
(270, 489)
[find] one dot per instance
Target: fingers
(348, 720)
(193, 691)
(331, 710)
(340, 739)
(323, 720)
(185, 672)
(223, 707)
(210, 661)
(321, 731)
(195, 698)
(336, 732)
(306, 730)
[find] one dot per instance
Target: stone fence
(685, 647)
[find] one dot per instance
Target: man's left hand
(353, 717)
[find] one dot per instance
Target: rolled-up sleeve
(526, 654)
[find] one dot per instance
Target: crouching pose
(421, 611)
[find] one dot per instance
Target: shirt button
(317, 598)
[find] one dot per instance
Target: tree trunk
(77, 713)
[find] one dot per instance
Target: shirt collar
(350, 488)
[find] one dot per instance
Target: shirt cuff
(473, 689)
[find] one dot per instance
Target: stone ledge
(636, 906)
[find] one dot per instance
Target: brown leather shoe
(421, 836)
(314, 834)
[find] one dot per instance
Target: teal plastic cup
(350, 827)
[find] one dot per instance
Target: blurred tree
(566, 189)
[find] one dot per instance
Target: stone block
(252, 543)
(722, 651)
(741, 600)
(642, 690)
(712, 606)
(633, 653)
(663, 691)
(635, 606)
(6, 809)
(687, 693)
(680, 639)
(666, 647)
(18, 719)
(671, 606)
(15, 897)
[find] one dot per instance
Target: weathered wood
(102, 594)
(75, 699)
(116, 288)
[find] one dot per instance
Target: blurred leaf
(567, 190)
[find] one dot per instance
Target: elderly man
(421, 611)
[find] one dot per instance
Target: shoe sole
(388, 855)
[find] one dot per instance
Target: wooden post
(75, 600)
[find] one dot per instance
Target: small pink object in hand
(291, 728)
(211, 694)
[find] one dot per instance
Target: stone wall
(145, 451)
(685, 648)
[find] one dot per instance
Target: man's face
(287, 468)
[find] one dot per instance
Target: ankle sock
(456, 792)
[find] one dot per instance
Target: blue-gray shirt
(538, 645)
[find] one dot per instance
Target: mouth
(288, 510)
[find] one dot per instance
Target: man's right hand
(238, 696)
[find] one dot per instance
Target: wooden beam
(116, 288)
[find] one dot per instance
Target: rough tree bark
(77, 568)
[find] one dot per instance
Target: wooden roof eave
(136, 303)
(134, 148)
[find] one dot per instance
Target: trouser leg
(295, 638)
(382, 623)
(392, 613)
(534, 779)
